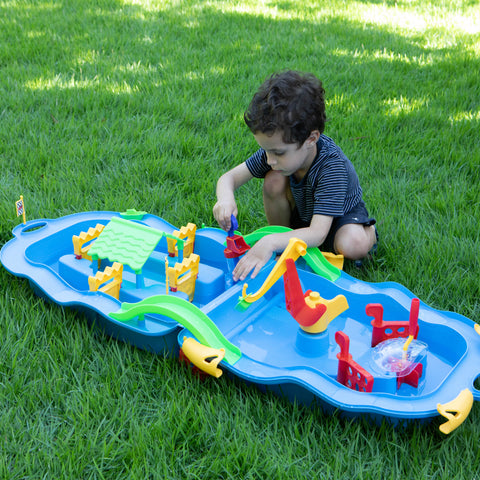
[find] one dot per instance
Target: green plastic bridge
(185, 313)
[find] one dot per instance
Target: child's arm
(226, 186)
(313, 235)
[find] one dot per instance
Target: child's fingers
(223, 214)
(249, 263)
(256, 270)
(242, 269)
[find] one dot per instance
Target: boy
(309, 183)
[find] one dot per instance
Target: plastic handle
(32, 226)
(233, 225)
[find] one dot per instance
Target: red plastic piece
(295, 298)
(412, 378)
(236, 246)
(393, 329)
(413, 320)
(350, 373)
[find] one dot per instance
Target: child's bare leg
(354, 241)
(277, 199)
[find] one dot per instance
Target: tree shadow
(138, 90)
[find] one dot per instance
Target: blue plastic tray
(274, 352)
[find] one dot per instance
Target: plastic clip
(203, 357)
(455, 411)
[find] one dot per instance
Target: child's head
(289, 102)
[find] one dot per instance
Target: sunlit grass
(465, 117)
(410, 17)
(427, 18)
(403, 105)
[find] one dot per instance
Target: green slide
(185, 313)
(314, 257)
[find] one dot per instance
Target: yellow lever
(295, 248)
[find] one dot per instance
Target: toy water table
(302, 327)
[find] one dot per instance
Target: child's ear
(312, 138)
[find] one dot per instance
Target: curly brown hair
(291, 102)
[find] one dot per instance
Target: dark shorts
(358, 214)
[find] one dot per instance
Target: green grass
(138, 104)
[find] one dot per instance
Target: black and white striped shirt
(330, 187)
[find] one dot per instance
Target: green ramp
(314, 257)
(185, 313)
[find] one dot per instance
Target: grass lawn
(139, 104)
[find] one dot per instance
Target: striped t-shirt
(330, 187)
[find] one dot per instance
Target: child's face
(288, 158)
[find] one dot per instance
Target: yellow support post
(183, 276)
(187, 232)
(79, 241)
(110, 278)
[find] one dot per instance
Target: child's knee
(354, 241)
(275, 185)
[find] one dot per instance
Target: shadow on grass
(127, 96)
(115, 106)
(117, 57)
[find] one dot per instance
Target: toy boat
(319, 335)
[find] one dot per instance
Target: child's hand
(223, 211)
(226, 186)
(254, 260)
